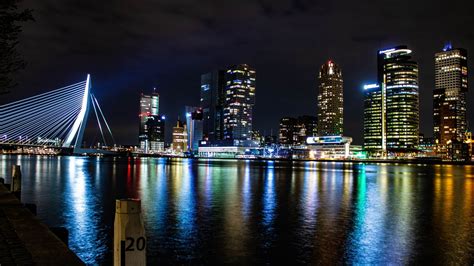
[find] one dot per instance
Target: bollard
(129, 234)
(16, 181)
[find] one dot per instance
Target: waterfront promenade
(24, 240)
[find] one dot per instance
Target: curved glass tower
(398, 76)
(391, 106)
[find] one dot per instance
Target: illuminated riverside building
(212, 104)
(308, 127)
(257, 137)
(330, 100)
(149, 109)
(287, 134)
(374, 127)
(239, 93)
(449, 99)
(391, 107)
(155, 134)
(295, 131)
(180, 136)
(398, 75)
(329, 147)
(194, 119)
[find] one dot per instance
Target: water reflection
(268, 197)
(81, 211)
(244, 212)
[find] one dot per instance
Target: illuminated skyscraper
(239, 95)
(212, 104)
(391, 108)
(449, 97)
(149, 106)
(330, 100)
(194, 117)
(374, 121)
(398, 76)
(155, 133)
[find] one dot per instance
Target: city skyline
(122, 71)
(250, 132)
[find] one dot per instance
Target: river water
(259, 212)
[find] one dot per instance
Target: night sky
(132, 46)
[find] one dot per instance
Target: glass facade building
(212, 104)
(391, 107)
(149, 108)
(398, 76)
(155, 134)
(194, 121)
(330, 100)
(373, 122)
(239, 93)
(449, 98)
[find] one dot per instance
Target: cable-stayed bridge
(55, 118)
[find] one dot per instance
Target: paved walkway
(24, 240)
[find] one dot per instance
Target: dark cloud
(132, 46)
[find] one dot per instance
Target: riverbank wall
(24, 240)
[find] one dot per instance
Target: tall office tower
(149, 106)
(155, 133)
(212, 104)
(287, 134)
(239, 101)
(398, 77)
(179, 143)
(194, 119)
(374, 120)
(330, 100)
(449, 97)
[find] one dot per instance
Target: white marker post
(129, 234)
(16, 181)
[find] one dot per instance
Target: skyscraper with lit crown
(450, 97)
(391, 107)
(330, 100)
(398, 76)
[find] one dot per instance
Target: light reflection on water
(259, 212)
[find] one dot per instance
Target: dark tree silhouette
(10, 60)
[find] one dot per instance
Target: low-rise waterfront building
(329, 147)
(229, 149)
